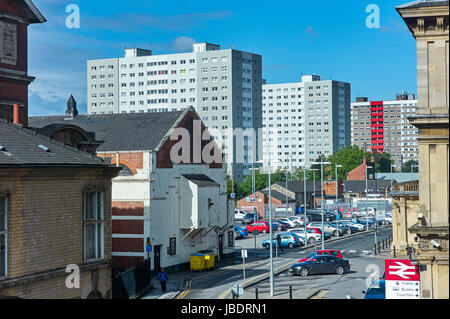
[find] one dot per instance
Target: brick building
(55, 211)
(179, 207)
(359, 172)
(15, 17)
(261, 201)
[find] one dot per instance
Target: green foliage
(261, 182)
(406, 167)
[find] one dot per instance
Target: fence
(132, 282)
(279, 211)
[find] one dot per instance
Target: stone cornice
(429, 21)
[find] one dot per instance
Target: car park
(292, 224)
(359, 227)
(327, 228)
(376, 290)
(388, 218)
(320, 265)
(361, 212)
(260, 226)
(239, 214)
(310, 235)
(316, 215)
(298, 220)
(279, 226)
(326, 235)
(346, 228)
(241, 232)
(287, 239)
(249, 218)
(325, 252)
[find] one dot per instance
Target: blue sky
(327, 37)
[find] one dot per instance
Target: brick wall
(133, 160)
(45, 229)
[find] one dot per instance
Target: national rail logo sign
(402, 279)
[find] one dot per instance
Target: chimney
(71, 111)
(16, 114)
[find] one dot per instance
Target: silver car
(327, 228)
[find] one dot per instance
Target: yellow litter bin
(197, 262)
(209, 259)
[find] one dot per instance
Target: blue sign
(148, 248)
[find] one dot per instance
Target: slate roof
(398, 177)
(24, 147)
(200, 179)
(420, 3)
(278, 195)
(298, 187)
(120, 132)
(31, 12)
(360, 186)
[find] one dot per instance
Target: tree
(383, 162)
(406, 167)
(349, 157)
(261, 182)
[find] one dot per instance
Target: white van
(239, 214)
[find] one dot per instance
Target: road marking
(319, 295)
(352, 251)
(186, 290)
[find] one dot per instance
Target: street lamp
(337, 209)
(392, 175)
(270, 222)
(321, 205)
(314, 185)
(367, 191)
(254, 191)
(304, 199)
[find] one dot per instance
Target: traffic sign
(233, 195)
(244, 253)
(402, 279)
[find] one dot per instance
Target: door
(221, 246)
(321, 266)
(157, 258)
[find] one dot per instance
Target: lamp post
(321, 205)
(367, 191)
(392, 174)
(314, 185)
(270, 223)
(304, 197)
(337, 209)
(254, 191)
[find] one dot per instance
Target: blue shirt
(162, 276)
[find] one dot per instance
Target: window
(172, 246)
(230, 239)
(93, 225)
(3, 235)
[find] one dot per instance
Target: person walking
(163, 277)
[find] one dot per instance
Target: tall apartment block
(383, 126)
(223, 85)
(304, 120)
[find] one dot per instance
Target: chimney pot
(16, 114)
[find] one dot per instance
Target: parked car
(288, 239)
(320, 265)
(261, 226)
(361, 212)
(326, 235)
(297, 219)
(327, 228)
(239, 214)
(376, 290)
(310, 235)
(366, 221)
(249, 218)
(242, 232)
(346, 228)
(316, 215)
(325, 252)
(357, 226)
(279, 226)
(292, 224)
(388, 218)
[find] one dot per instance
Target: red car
(261, 226)
(326, 252)
(315, 230)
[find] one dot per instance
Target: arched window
(126, 171)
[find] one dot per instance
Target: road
(358, 249)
